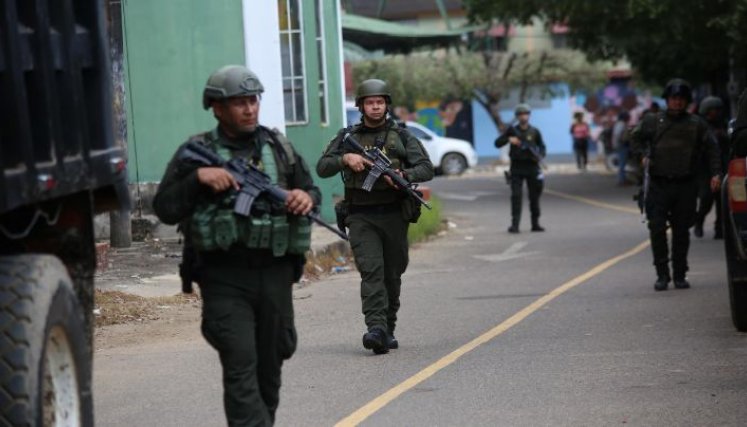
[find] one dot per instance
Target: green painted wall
(170, 48)
(311, 139)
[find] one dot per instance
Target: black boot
(681, 284)
(376, 340)
(392, 342)
(513, 229)
(662, 283)
(536, 227)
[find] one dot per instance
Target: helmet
(522, 109)
(678, 87)
(710, 103)
(230, 81)
(372, 87)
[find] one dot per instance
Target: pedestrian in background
(580, 132)
(621, 143)
(378, 219)
(712, 111)
(672, 144)
(526, 154)
(245, 266)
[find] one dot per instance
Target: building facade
(170, 48)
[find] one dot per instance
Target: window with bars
(291, 46)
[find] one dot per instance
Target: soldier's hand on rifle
(389, 181)
(217, 178)
(644, 161)
(514, 140)
(715, 183)
(355, 162)
(298, 202)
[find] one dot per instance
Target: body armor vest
(675, 153)
(214, 225)
(392, 144)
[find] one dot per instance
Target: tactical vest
(676, 151)
(391, 141)
(215, 226)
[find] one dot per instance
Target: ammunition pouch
(218, 228)
(411, 208)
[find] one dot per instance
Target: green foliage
(661, 38)
(436, 76)
(428, 224)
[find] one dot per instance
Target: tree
(662, 39)
(487, 77)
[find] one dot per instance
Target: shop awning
(374, 34)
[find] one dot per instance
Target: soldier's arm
(541, 144)
(502, 139)
(177, 193)
(331, 161)
(418, 166)
(640, 137)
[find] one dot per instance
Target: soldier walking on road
(711, 110)
(378, 220)
(672, 144)
(245, 266)
(526, 154)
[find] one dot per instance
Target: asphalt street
(555, 328)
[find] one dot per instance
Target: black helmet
(710, 103)
(372, 87)
(231, 81)
(522, 109)
(678, 87)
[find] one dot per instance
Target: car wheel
(736, 271)
(46, 375)
(453, 164)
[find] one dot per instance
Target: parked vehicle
(734, 208)
(450, 156)
(58, 168)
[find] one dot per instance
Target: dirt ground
(139, 295)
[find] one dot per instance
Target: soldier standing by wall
(671, 144)
(246, 265)
(712, 111)
(378, 220)
(526, 153)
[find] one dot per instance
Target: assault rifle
(511, 131)
(381, 165)
(252, 181)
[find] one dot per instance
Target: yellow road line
(592, 202)
(370, 408)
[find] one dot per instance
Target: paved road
(555, 328)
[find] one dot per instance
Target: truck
(59, 167)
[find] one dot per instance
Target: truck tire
(45, 367)
(735, 268)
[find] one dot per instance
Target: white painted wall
(262, 50)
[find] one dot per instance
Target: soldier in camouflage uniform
(672, 144)
(712, 111)
(378, 220)
(526, 153)
(245, 267)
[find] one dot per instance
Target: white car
(450, 156)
